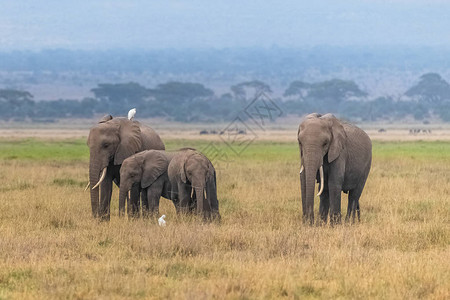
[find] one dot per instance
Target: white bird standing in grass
(161, 221)
(131, 113)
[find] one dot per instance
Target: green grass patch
(10, 280)
(255, 151)
(72, 150)
(412, 150)
(276, 151)
(33, 149)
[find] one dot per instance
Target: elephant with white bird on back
(110, 142)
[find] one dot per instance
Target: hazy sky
(104, 24)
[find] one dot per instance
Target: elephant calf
(193, 177)
(151, 171)
(148, 169)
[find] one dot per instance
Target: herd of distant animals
(243, 131)
(418, 130)
(334, 153)
(411, 131)
(236, 130)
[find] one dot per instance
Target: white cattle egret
(131, 113)
(161, 221)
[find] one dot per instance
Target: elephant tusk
(301, 169)
(204, 194)
(192, 193)
(101, 179)
(321, 181)
(129, 194)
(87, 186)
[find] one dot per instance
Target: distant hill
(61, 73)
(259, 61)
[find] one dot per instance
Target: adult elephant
(110, 142)
(339, 155)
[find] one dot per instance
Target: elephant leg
(353, 199)
(154, 194)
(105, 197)
(206, 208)
(122, 208)
(173, 192)
(349, 209)
(355, 209)
(324, 205)
(145, 204)
(335, 204)
(211, 194)
(115, 173)
(121, 200)
(184, 197)
(122, 204)
(358, 211)
(134, 201)
(144, 200)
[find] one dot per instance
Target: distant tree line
(429, 97)
(193, 102)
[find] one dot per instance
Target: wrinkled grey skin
(345, 151)
(110, 142)
(191, 176)
(148, 171)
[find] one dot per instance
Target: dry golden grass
(50, 247)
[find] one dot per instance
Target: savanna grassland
(50, 247)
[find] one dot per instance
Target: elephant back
(150, 139)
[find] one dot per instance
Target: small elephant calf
(193, 177)
(149, 170)
(186, 177)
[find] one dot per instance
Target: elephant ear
(105, 118)
(338, 137)
(130, 141)
(183, 172)
(211, 170)
(154, 165)
(188, 153)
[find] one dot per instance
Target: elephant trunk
(200, 198)
(203, 207)
(94, 172)
(311, 166)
